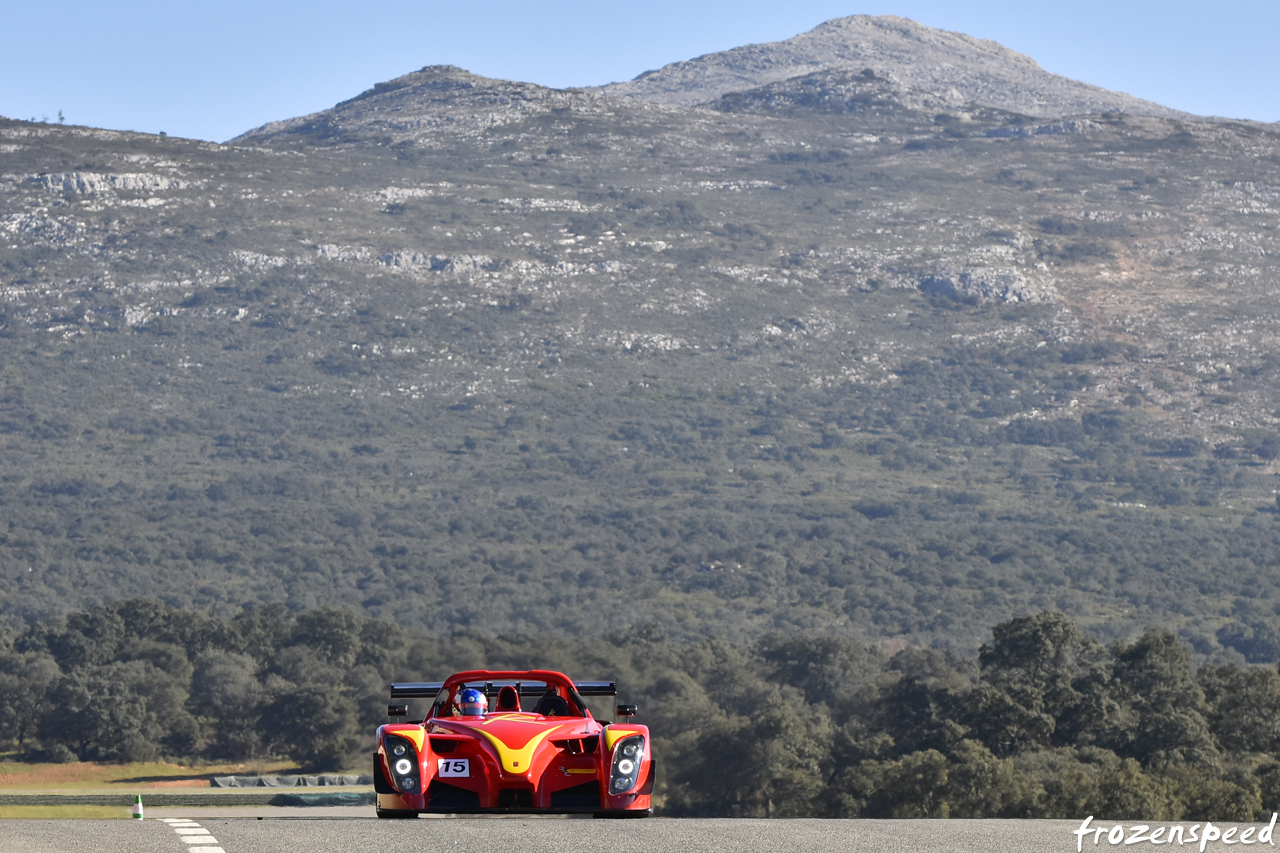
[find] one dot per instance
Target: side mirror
(397, 710)
(627, 710)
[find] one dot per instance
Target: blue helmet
(473, 703)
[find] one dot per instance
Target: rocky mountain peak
(441, 78)
(912, 54)
(434, 99)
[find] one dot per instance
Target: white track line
(193, 834)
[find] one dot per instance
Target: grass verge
(63, 812)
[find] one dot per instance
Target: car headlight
(626, 764)
(403, 759)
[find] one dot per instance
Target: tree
(89, 637)
(25, 682)
(1050, 668)
(1242, 705)
(1006, 726)
(332, 633)
(1205, 795)
(227, 696)
(772, 764)
(918, 717)
(832, 670)
(118, 712)
(913, 786)
(1155, 680)
(981, 785)
(1125, 792)
(314, 725)
(263, 629)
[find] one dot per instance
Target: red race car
(480, 751)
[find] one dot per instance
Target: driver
(472, 703)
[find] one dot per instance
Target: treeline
(1045, 722)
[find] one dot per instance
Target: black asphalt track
(543, 835)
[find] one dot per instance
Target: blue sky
(213, 70)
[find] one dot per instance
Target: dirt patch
(138, 775)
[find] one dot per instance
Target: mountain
(834, 353)
(944, 69)
(917, 56)
(437, 101)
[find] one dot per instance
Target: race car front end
(513, 761)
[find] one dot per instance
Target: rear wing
(416, 689)
(429, 689)
(596, 688)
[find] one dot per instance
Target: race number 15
(453, 767)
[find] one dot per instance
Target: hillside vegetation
(833, 354)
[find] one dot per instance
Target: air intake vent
(515, 798)
(442, 797)
(585, 796)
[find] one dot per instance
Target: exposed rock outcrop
(1004, 284)
(92, 183)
